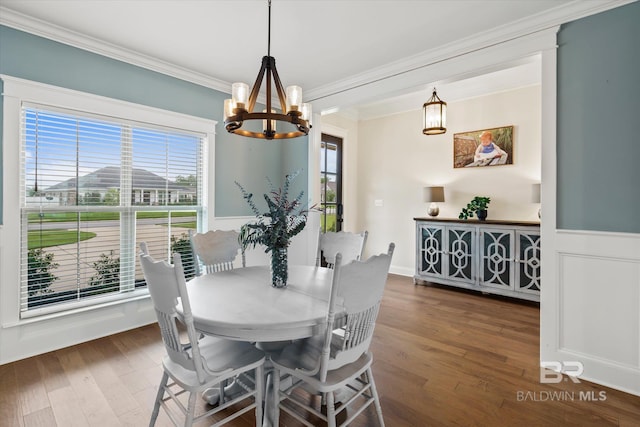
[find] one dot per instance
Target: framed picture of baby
(485, 147)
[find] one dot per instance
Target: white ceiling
(322, 45)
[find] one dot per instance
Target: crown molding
(350, 114)
(19, 21)
(536, 23)
(533, 24)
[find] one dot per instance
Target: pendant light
(434, 112)
(294, 114)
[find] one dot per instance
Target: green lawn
(56, 237)
(191, 224)
(331, 222)
(46, 238)
(100, 216)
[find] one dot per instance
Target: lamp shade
(434, 194)
(239, 95)
(294, 98)
(535, 193)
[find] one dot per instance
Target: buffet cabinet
(499, 257)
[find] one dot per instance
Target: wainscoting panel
(593, 307)
(597, 298)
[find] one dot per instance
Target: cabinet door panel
(496, 258)
(431, 254)
(460, 248)
(528, 262)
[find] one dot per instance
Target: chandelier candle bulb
(240, 95)
(273, 122)
(306, 112)
(294, 98)
(228, 108)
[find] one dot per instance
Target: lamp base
(433, 211)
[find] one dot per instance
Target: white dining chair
(215, 250)
(349, 245)
(200, 362)
(328, 363)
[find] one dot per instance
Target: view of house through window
(331, 183)
(93, 188)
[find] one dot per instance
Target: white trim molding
(598, 301)
(21, 338)
(523, 28)
(590, 293)
(56, 33)
(387, 78)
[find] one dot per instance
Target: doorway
(331, 201)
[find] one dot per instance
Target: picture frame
(484, 147)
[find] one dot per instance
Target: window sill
(43, 315)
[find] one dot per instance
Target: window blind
(93, 187)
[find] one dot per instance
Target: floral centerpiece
(274, 229)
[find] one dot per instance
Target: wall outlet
(378, 202)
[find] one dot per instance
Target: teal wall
(240, 159)
(598, 136)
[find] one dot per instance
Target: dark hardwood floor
(443, 357)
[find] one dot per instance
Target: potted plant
(477, 205)
(274, 229)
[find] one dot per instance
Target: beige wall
(395, 161)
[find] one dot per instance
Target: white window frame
(18, 92)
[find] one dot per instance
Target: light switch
(378, 202)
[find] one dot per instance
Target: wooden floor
(443, 357)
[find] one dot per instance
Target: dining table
(240, 304)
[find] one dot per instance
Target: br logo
(551, 371)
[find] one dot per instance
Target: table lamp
(535, 195)
(433, 195)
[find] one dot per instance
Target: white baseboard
(402, 271)
(29, 338)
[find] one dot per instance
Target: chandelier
(294, 114)
(435, 115)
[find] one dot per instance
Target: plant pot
(482, 214)
(279, 267)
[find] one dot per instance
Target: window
(92, 188)
(331, 183)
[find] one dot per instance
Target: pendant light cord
(269, 29)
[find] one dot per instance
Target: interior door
(331, 183)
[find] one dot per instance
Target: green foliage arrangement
(476, 204)
(284, 219)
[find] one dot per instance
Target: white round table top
(241, 304)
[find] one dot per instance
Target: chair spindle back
(215, 250)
